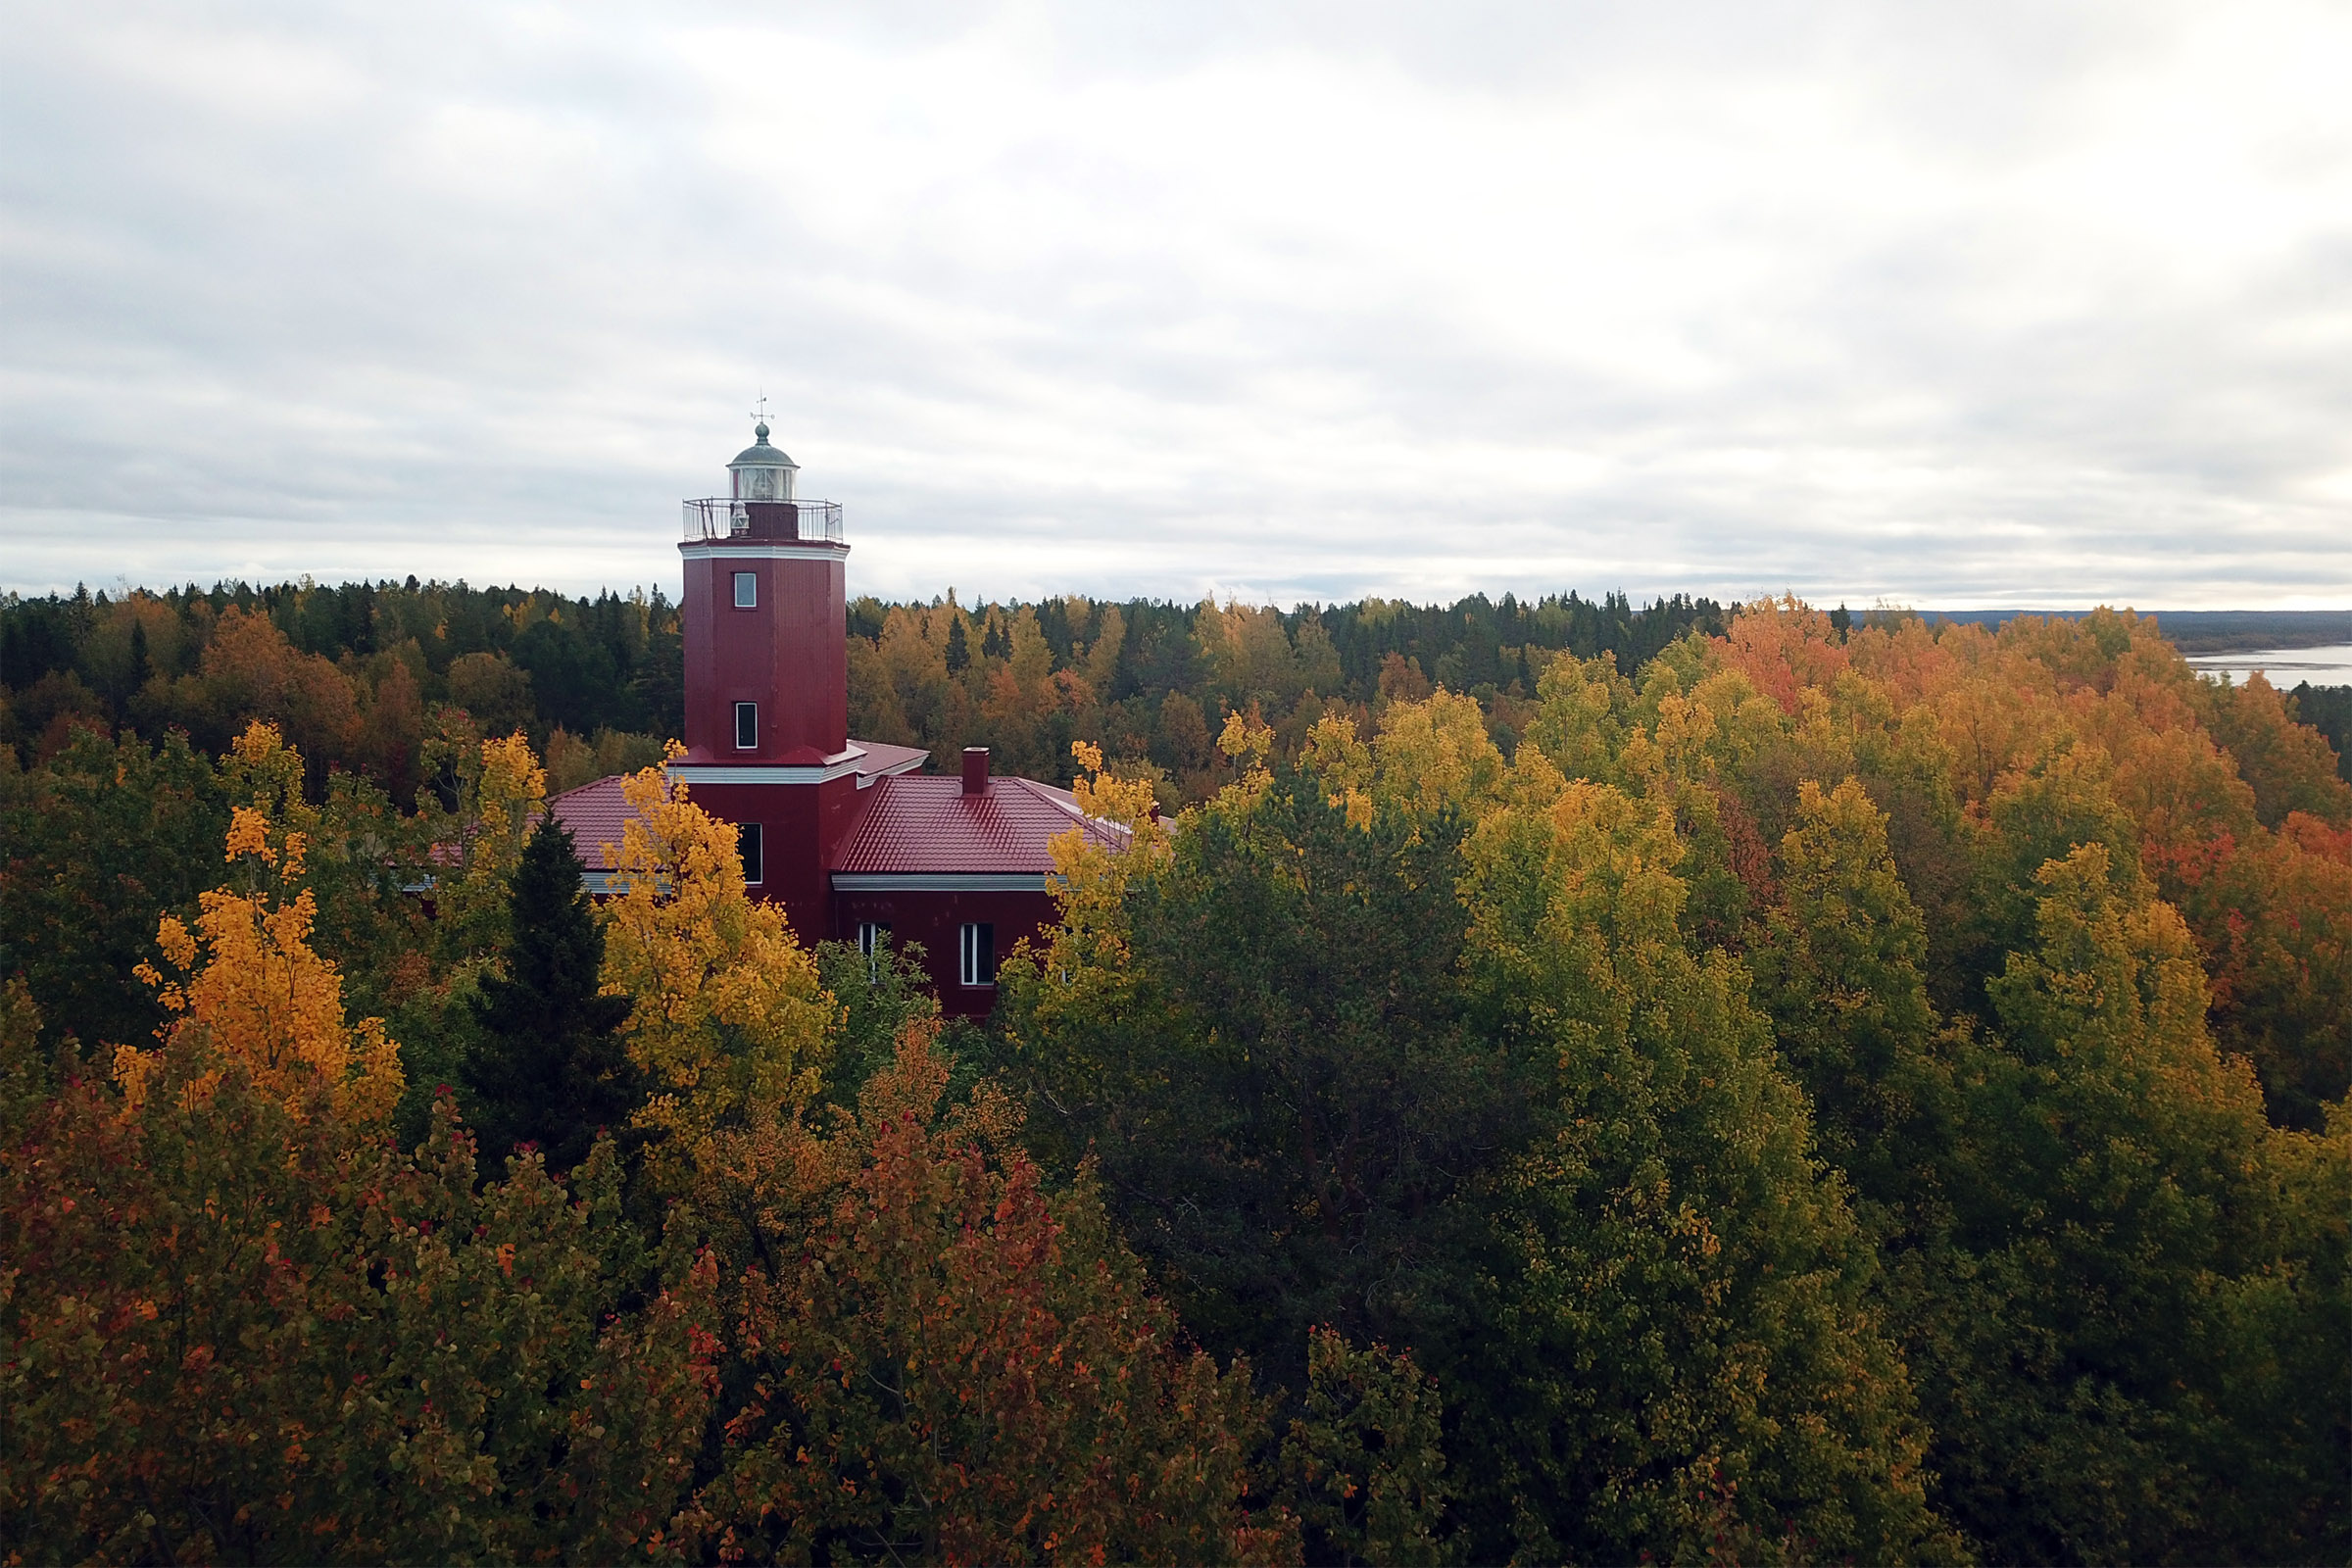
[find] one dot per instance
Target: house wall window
(748, 844)
(746, 590)
(747, 726)
(979, 955)
(874, 939)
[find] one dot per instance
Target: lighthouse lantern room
(760, 473)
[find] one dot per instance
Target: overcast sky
(1954, 305)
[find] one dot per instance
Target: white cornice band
(726, 550)
(757, 773)
(941, 881)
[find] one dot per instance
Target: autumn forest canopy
(1550, 1081)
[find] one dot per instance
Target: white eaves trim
(612, 884)
(941, 881)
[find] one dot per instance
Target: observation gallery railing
(719, 517)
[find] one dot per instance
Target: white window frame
(968, 949)
(873, 936)
(750, 842)
(743, 711)
(746, 590)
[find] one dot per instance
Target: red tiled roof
(594, 813)
(914, 823)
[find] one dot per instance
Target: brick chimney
(976, 770)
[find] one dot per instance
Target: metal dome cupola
(761, 473)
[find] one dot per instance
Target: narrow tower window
(747, 845)
(747, 726)
(980, 955)
(746, 590)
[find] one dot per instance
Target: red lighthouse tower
(765, 623)
(766, 671)
(845, 834)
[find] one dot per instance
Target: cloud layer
(1987, 304)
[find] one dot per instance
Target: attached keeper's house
(849, 836)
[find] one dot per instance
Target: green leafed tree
(94, 844)
(1479, 1097)
(1840, 972)
(2132, 1347)
(1687, 1359)
(1288, 1108)
(1365, 1461)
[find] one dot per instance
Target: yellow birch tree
(729, 1020)
(251, 982)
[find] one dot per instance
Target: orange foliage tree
(941, 1362)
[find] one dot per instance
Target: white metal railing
(715, 517)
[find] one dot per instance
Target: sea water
(2284, 668)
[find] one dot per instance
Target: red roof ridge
(1056, 796)
(592, 784)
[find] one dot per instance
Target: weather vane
(760, 413)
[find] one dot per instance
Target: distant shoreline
(2202, 631)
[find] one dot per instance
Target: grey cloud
(482, 290)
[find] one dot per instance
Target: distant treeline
(361, 676)
(1152, 682)
(355, 674)
(2202, 631)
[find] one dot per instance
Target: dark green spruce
(552, 1071)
